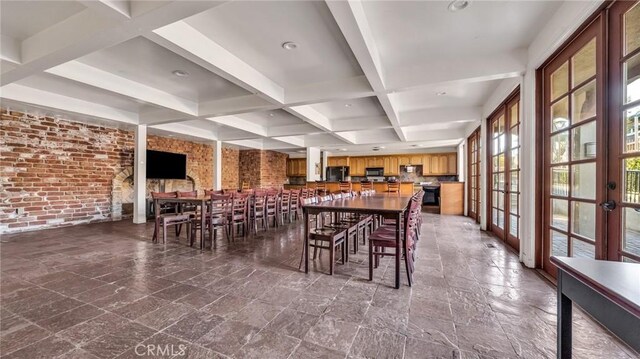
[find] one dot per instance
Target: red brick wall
(56, 172)
(273, 169)
(199, 157)
(262, 168)
(230, 165)
(249, 167)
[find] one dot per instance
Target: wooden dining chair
(216, 218)
(384, 237)
(321, 237)
(272, 209)
(258, 211)
(168, 219)
(366, 186)
(238, 217)
(284, 206)
(294, 205)
(209, 192)
(345, 186)
(393, 187)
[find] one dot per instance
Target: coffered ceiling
(358, 74)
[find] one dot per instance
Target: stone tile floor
(100, 290)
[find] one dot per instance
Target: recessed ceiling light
(347, 105)
(458, 5)
(441, 93)
(271, 114)
(289, 45)
(302, 151)
(343, 149)
(180, 73)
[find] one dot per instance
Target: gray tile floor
(105, 291)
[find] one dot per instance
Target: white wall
(556, 31)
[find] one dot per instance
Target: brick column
(140, 175)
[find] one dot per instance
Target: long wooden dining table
(198, 201)
(387, 205)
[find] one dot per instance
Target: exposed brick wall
(273, 169)
(199, 158)
(56, 172)
(262, 168)
(249, 167)
(230, 165)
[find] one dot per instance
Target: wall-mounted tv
(166, 165)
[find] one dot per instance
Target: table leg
(564, 322)
(306, 242)
(156, 217)
(398, 250)
(202, 223)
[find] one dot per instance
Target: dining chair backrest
(393, 187)
(155, 195)
(325, 198)
(190, 194)
(209, 192)
(345, 186)
(367, 185)
(220, 203)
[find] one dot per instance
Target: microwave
(374, 171)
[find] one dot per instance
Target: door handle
(608, 206)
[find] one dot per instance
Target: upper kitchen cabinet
(297, 167)
(357, 166)
(375, 161)
(391, 166)
(341, 161)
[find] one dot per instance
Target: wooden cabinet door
(443, 161)
(302, 167)
(435, 165)
(426, 164)
(356, 166)
(452, 161)
(415, 160)
(394, 166)
(290, 167)
(403, 160)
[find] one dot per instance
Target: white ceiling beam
(297, 141)
(240, 124)
(353, 23)
(440, 115)
(459, 70)
(315, 118)
(251, 143)
(190, 43)
(158, 116)
(436, 135)
(234, 106)
(87, 32)
(187, 130)
(9, 49)
(291, 130)
(116, 9)
(79, 72)
(343, 89)
(361, 123)
(52, 100)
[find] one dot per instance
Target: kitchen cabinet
(375, 161)
(403, 160)
(357, 166)
(297, 167)
(391, 166)
(415, 160)
(342, 161)
(452, 160)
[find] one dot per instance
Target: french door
(473, 183)
(623, 229)
(504, 171)
(591, 165)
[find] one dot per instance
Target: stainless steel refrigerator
(337, 173)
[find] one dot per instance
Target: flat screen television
(166, 165)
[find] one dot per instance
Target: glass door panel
(504, 127)
(573, 127)
(473, 184)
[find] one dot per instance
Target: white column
(313, 157)
(528, 169)
(140, 175)
(217, 165)
(325, 161)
